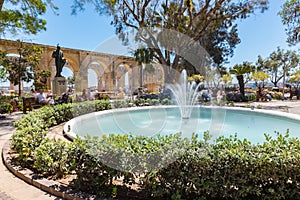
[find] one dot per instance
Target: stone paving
(13, 188)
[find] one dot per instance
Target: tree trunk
(1, 5)
(240, 79)
(141, 75)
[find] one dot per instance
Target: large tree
(40, 78)
(290, 16)
(280, 63)
(23, 16)
(176, 28)
(24, 67)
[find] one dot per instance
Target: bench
(295, 93)
(29, 103)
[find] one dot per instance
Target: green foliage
(143, 55)
(25, 67)
(259, 76)
(161, 167)
(122, 104)
(279, 63)
(40, 78)
(92, 176)
(295, 77)
(234, 169)
(9, 104)
(3, 74)
(250, 96)
(23, 16)
(166, 101)
(140, 102)
(227, 79)
(31, 143)
(6, 108)
(52, 158)
(290, 17)
(211, 23)
(241, 71)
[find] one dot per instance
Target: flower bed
(9, 104)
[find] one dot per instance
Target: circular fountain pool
(149, 121)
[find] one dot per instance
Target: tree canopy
(207, 23)
(295, 78)
(290, 16)
(240, 70)
(279, 63)
(23, 16)
(259, 76)
(25, 67)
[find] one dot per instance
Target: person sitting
(205, 95)
(84, 96)
(220, 95)
(42, 98)
(50, 97)
(269, 97)
(64, 98)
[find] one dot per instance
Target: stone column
(99, 85)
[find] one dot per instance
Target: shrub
(230, 168)
(6, 108)
(29, 140)
(52, 158)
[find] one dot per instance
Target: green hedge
(228, 169)
(30, 140)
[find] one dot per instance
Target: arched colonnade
(113, 71)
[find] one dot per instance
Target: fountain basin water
(149, 121)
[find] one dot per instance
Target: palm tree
(240, 70)
(143, 55)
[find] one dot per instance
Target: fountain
(185, 94)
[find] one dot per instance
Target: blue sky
(260, 34)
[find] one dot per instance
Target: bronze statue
(59, 60)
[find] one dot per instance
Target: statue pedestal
(59, 85)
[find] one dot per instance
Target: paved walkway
(290, 106)
(13, 188)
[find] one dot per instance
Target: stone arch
(79, 61)
(100, 69)
(122, 76)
